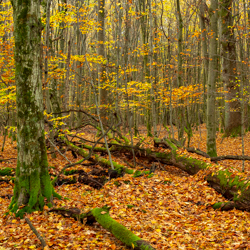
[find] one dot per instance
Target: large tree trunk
(32, 184)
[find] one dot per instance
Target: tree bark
(101, 52)
(229, 70)
(32, 183)
(212, 79)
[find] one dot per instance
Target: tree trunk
(32, 183)
(229, 70)
(101, 52)
(212, 79)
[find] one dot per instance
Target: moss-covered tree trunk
(101, 215)
(32, 183)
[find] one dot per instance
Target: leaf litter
(171, 210)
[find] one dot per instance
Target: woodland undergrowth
(171, 210)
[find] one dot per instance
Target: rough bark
(101, 215)
(32, 183)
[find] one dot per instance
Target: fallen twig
(44, 245)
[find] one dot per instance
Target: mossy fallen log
(101, 215)
(236, 189)
(100, 160)
(187, 164)
(164, 143)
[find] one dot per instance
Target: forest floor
(171, 210)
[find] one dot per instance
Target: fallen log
(97, 159)
(165, 143)
(236, 189)
(231, 187)
(187, 164)
(101, 215)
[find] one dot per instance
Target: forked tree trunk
(32, 183)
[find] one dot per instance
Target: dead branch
(36, 233)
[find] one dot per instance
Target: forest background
(142, 66)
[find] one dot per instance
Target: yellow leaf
(103, 212)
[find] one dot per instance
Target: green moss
(50, 205)
(227, 182)
(129, 171)
(117, 183)
(70, 172)
(130, 206)
(137, 173)
(54, 181)
(162, 156)
(150, 175)
(119, 231)
(99, 149)
(217, 205)
(127, 182)
(56, 195)
(5, 171)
